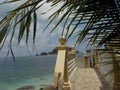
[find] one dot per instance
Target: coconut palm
(20, 17)
(101, 25)
(100, 20)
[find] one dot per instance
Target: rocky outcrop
(48, 87)
(26, 88)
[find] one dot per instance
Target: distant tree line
(54, 51)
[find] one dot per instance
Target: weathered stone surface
(88, 78)
(85, 79)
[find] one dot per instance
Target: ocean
(34, 71)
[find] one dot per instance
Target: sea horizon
(36, 71)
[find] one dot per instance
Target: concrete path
(88, 79)
(85, 79)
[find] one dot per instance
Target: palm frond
(100, 20)
(21, 17)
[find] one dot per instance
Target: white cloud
(44, 41)
(47, 10)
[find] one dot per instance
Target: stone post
(85, 60)
(116, 74)
(96, 56)
(73, 51)
(66, 84)
(62, 41)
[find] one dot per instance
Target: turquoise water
(33, 70)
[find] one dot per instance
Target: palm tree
(100, 20)
(19, 20)
(20, 17)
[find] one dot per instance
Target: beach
(36, 71)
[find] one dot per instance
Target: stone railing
(106, 63)
(91, 59)
(65, 65)
(88, 60)
(71, 62)
(110, 67)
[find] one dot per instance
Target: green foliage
(100, 20)
(19, 20)
(101, 24)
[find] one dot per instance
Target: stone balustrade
(64, 65)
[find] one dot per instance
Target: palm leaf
(35, 25)
(4, 31)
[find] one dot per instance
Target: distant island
(54, 51)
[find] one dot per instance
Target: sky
(45, 42)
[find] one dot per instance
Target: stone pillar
(62, 41)
(66, 84)
(73, 51)
(85, 60)
(96, 56)
(116, 86)
(116, 74)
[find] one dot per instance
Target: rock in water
(26, 88)
(49, 87)
(41, 89)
